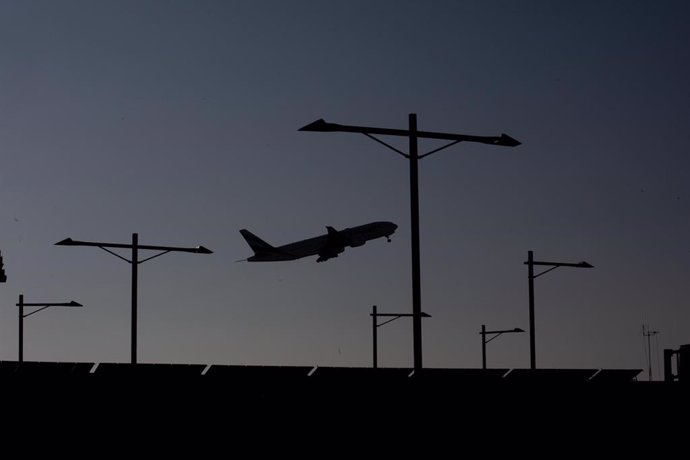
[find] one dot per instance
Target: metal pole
(532, 346)
(416, 270)
(649, 351)
(21, 328)
(135, 265)
(374, 327)
(483, 346)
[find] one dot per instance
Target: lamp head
(584, 264)
(508, 141)
(65, 242)
(319, 125)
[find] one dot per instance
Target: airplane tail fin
(257, 244)
(263, 252)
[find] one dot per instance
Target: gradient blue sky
(178, 120)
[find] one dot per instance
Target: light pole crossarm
(195, 249)
(582, 264)
(153, 257)
(388, 321)
(396, 316)
(35, 311)
(116, 254)
(545, 271)
(44, 306)
(555, 265)
(438, 149)
(385, 144)
(498, 333)
(321, 125)
(71, 303)
(419, 157)
(494, 337)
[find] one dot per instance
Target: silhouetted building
(682, 359)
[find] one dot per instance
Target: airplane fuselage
(325, 246)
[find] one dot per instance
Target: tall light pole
(484, 332)
(531, 276)
(42, 306)
(375, 325)
(413, 135)
(134, 261)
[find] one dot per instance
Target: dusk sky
(179, 120)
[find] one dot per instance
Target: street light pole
(135, 291)
(532, 343)
(21, 304)
(498, 333)
(134, 262)
(531, 276)
(373, 328)
(393, 316)
(413, 156)
(483, 333)
(416, 264)
(21, 328)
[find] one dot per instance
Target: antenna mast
(647, 333)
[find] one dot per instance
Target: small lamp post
(41, 306)
(375, 325)
(484, 332)
(531, 276)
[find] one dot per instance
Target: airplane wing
(335, 244)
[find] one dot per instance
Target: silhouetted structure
(3, 276)
(682, 359)
(257, 396)
(305, 379)
(531, 276)
(412, 134)
(134, 261)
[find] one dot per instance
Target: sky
(179, 120)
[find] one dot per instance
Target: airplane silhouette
(326, 246)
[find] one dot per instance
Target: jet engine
(330, 253)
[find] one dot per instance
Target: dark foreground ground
(201, 405)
